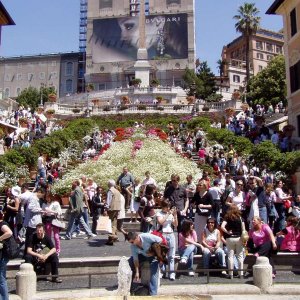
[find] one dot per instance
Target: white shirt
(41, 162)
(167, 225)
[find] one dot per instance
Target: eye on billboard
(117, 39)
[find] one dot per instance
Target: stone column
(26, 282)
(262, 273)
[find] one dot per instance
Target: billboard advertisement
(117, 39)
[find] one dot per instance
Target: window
(7, 77)
(42, 75)
(236, 78)
(52, 75)
(269, 47)
(269, 57)
(6, 93)
(259, 45)
(293, 20)
(30, 76)
(105, 4)
(69, 68)
(18, 91)
(19, 76)
(69, 86)
(278, 49)
(295, 77)
(259, 55)
(169, 2)
(260, 68)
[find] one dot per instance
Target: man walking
(114, 206)
(76, 202)
(124, 181)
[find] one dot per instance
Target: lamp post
(41, 94)
(195, 108)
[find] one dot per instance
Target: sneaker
(92, 235)
(66, 237)
(224, 273)
(161, 275)
(74, 235)
(191, 273)
(130, 221)
(57, 280)
(172, 276)
(183, 260)
(81, 233)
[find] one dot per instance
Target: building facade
(113, 35)
(290, 10)
(63, 71)
(264, 45)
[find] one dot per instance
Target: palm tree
(247, 24)
(221, 66)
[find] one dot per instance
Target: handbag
(244, 235)
(104, 225)
(57, 223)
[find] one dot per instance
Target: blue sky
(47, 26)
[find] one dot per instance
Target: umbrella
(7, 127)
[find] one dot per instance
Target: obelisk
(142, 66)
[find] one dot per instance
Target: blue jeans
(220, 255)
(42, 173)
(280, 222)
(154, 271)
(3, 282)
(263, 214)
(86, 216)
(188, 253)
(71, 225)
(171, 253)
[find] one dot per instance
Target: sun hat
(16, 191)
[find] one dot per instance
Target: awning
(8, 127)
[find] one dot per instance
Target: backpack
(10, 249)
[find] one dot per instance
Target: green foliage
(269, 85)
(223, 136)
(289, 162)
(154, 81)
(29, 97)
(266, 153)
(13, 156)
(199, 122)
(204, 80)
(30, 155)
(214, 98)
(141, 107)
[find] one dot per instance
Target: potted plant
(125, 100)
(96, 101)
(229, 111)
(106, 108)
(89, 87)
(159, 99)
(142, 107)
(154, 82)
(190, 99)
(123, 107)
(205, 108)
(236, 95)
(76, 110)
(52, 97)
(136, 82)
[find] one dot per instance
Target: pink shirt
(182, 244)
(291, 241)
(262, 236)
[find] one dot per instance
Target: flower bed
(154, 155)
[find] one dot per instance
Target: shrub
(154, 81)
(160, 108)
(141, 107)
(136, 81)
(76, 110)
(106, 108)
(205, 108)
(123, 107)
(177, 107)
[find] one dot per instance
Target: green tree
(204, 80)
(247, 24)
(31, 96)
(269, 85)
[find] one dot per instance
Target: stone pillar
(124, 277)
(26, 282)
(262, 273)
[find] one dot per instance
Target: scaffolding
(83, 25)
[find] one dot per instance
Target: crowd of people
(209, 214)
